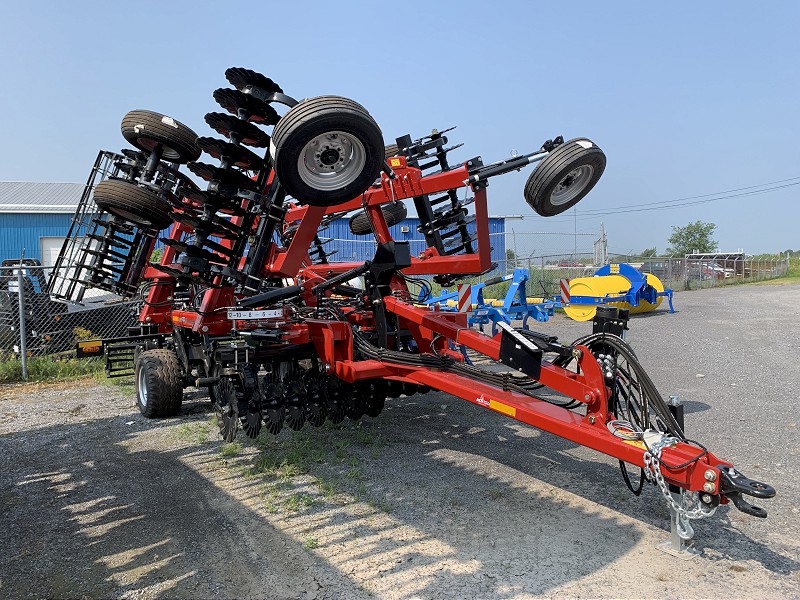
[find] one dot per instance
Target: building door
(50, 247)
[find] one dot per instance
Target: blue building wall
(18, 231)
(359, 248)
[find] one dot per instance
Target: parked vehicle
(52, 326)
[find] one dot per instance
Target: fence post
(23, 351)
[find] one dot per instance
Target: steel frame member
(237, 304)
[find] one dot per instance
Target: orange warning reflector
(503, 408)
(89, 348)
(395, 162)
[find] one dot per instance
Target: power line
(593, 214)
(643, 208)
(750, 187)
(679, 204)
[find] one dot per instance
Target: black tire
(392, 213)
(390, 151)
(159, 386)
(146, 130)
(338, 144)
(137, 205)
(564, 177)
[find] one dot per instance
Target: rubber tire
(137, 205)
(146, 129)
(392, 214)
(390, 151)
(161, 370)
(313, 117)
(555, 167)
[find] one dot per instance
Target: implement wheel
(147, 130)
(391, 150)
(327, 150)
(137, 205)
(564, 177)
(159, 386)
(392, 213)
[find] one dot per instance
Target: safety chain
(690, 506)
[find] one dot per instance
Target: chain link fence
(695, 273)
(33, 325)
(551, 257)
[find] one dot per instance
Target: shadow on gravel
(694, 406)
(92, 510)
(562, 464)
(85, 513)
(662, 311)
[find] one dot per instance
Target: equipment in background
(514, 306)
(616, 284)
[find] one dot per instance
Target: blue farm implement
(617, 284)
(514, 306)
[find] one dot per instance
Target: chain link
(689, 506)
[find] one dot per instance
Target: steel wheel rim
(142, 381)
(331, 161)
(571, 185)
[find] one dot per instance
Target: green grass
(792, 276)
(381, 505)
(231, 450)
(199, 433)
(335, 457)
(49, 369)
(298, 501)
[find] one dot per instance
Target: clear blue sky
(686, 99)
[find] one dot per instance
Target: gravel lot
(437, 498)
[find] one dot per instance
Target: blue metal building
(358, 248)
(36, 217)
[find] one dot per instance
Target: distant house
(36, 217)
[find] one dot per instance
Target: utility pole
(575, 237)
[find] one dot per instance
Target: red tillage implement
(247, 300)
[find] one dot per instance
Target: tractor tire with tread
(146, 129)
(137, 205)
(564, 177)
(327, 150)
(392, 213)
(390, 151)
(159, 385)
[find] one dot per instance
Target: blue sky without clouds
(686, 98)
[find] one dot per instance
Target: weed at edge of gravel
(230, 450)
(48, 368)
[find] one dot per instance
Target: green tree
(649, 252)
(694, 237)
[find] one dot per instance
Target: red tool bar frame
(586, 386)
(408, 183)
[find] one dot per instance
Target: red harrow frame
(246, 300)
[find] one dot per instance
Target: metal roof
(34, 197)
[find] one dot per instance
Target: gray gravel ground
(437, 498)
